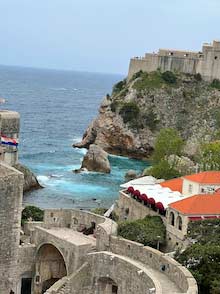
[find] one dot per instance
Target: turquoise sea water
(56, 108)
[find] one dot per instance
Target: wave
(59, 89)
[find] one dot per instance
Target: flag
(9, 141)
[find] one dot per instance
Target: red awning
(130, 190)
(151, 201)
(160, 206)
(195, 218)
(210, 216)
(144, 198)
(137, 193)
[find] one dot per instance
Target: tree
(210, 156)
(163, 170)
(147, 231)
(33, 212)
(204, 263)
(167, 143)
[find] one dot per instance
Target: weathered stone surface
(190, 107)
(96, 159)
(30, 180)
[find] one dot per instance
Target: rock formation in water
(130, 119)
(30, 181)
(96, 160)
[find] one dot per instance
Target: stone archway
(50, 267)
(106, 286)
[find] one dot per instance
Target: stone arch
(107, 285)
(50, 267)
(179, 223)
(172, 219)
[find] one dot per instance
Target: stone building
(73, 251)
(205, 62)
(177, 201)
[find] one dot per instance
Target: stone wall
(11, 188)
(128, 208)
(157, 260)
(207, 62)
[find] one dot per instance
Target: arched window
(179, 223)
(172, 219)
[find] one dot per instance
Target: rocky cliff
(130, 119)
(30, 181)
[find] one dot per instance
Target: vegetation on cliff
(130, 119)
(148, 231)
(203, 258)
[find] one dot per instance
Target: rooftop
(207, 177)
(174, 184)
(201, 204)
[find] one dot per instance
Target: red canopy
(160, 206)
(195, 218)
(144, 198)
(137, 193)
(130, 190)
(151, 201)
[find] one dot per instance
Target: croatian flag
(8, 141)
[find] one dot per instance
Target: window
(216, 57)
(170, 53)
(190, 188)
(179, 223)
(114, 289)
(172, 219)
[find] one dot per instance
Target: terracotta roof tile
(207, 177)
(201, 204)
(174, 184)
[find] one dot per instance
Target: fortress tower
(205, 62)
(11, 191)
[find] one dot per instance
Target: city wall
(206, 63)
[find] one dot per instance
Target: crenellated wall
(207, 62)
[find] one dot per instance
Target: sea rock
(131, 175)
(191, 108)
(30, 180)
(96, 160)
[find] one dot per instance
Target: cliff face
(130, 119)
(30, 181)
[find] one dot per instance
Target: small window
(51, 214)
(170, 53)
(190, 188)
(186, 55)
(216, 57)
(114, 289)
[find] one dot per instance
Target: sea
(56, 107)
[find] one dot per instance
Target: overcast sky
(101, 35)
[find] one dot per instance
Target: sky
(101, 35)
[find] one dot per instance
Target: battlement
(205, 62)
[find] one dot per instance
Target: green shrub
(215, 84)
(163, 170)
(129, 112)
(168, 142)
(169, 77)
(99, 210)
(137, 75)
(198, 77)
(119, 87)
(150, 120)
(148, 81)
(147, 231)
(33, 212)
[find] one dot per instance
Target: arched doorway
(50, 267)
(107, 286)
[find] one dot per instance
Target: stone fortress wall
(206, 62)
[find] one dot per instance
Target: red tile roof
(174, 184)
(207, 177)
(201, 204)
